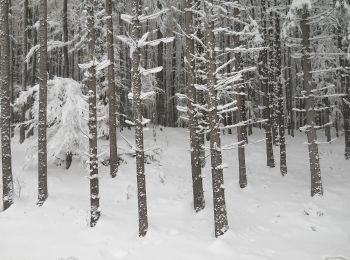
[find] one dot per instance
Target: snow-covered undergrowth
(273, 218)
(66, 117)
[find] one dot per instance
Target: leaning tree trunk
(65, 40)
(220, 216)
(267, 93)
(112, 93)
(91, 82)
(42, 135)
(316, 182)
(241, 113)
(22, 133)
(197, 181)
(137, 107)
(7, 180)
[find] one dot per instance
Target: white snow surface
(273, 218)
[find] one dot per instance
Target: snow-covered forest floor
(273, 218)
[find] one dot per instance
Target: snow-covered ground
(273, 218)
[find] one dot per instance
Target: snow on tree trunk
(7, 179)
(279, 92)
(91, 83)
(112, 92)
(220, 215)
(197, 181)
(42, 135)
(65, 39)
(316, 182)
(267, 92)
(137, 107)
(22, 134)
(241, 113)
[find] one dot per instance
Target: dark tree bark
(267, 93)
(42, 135)
(7, 179)
(197, 181)
(65, 39)
(316, 182)
(22, 128)
(112, 93)
(280, 98)
(241, 113)
(161, 95)
(137, 107)
(91, 83)
(220, 215)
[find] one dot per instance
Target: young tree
(42, 136)
(7, 179)
(112, 92)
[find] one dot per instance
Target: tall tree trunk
(316, 182)
(137, 107)
(22, 128)
(220, 216)
(112, 92)
(91, 83)
(197, 181)
(241, 113)
(7, 179)
(65, 40)
(267, 93)
(160, 98)
(42, 135)
(280, 98)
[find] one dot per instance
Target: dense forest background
(75, 73)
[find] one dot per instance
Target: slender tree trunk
(7, 179)
(42, 136)
(91, 83)
(22, 128)
(137, 107)
(161, 115)
(112, 92)
(220, 216)
(316, 182)
(197, 181)
(267, 93)
(280, 98)
(241, 113)
(65, 39)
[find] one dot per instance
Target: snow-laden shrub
(67, 113)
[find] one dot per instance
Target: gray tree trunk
(280, 98)
(7, 179)
(137, 107)
(42, 135)
(65, 39)
(267, 93)
(220, 215)
(316, 182)
(91, 83)
(22, 134)
(112, 92)
(197, 181)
